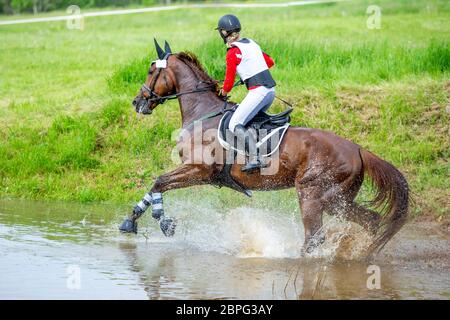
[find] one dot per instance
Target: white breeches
(258, 99)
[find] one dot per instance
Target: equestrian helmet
(228, 24)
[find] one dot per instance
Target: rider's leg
(259, 99)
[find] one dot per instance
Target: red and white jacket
(247, 59)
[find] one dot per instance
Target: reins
(161, 99)
(218, 112)
(154, 97)
(211, 115)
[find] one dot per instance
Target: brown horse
(326, 170)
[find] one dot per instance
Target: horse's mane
(192, 61)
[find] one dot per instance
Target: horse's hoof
(167, 226)
(315, 242)
(310, 249)
(128, 226)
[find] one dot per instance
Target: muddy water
(65, 251)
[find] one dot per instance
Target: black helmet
(228, 24)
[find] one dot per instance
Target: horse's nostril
(134, 103)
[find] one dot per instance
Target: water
(243, 253)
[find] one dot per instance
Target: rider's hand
(222, 93)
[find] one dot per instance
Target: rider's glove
(222, 93)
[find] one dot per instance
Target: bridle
(154, 97)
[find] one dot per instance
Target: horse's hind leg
(356, 213)
(311, 206)
(344, 204)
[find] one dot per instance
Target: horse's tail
(392, 196)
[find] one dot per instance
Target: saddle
(269, 130)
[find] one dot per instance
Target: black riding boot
(254, 162)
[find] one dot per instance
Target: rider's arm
(233, 59)
(269, 60)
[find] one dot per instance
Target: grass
(68, 131)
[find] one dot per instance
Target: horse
(326, 170)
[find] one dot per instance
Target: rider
(252, 65)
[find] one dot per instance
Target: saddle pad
(268, 141)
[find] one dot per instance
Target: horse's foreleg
(184, 176)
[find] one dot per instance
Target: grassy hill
(68, 130)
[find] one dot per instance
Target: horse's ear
(167, 47)
(159, 50)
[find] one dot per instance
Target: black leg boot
(245, 137)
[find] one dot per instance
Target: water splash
(246, 232)
(259, 233)
(343, 241)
